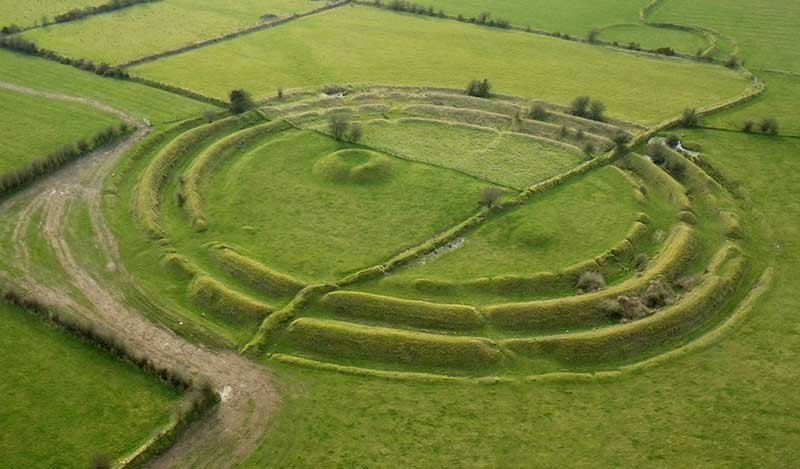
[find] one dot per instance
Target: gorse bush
(479, 88)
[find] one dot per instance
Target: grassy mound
(353, 166)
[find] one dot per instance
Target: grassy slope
(64, 401)
(508, 159)
(317, 229)
(766, 30)
(733, 402)
(31, 127)
(158, 106)
(136, 32)
(569, 224)
(361, 44)
(31, 13)
(576, 17)
(779, 101)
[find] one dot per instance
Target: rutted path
(249, 398)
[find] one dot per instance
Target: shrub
(589, 149)
(657, 153)
(641, 261)
(563, 131)
(537, 112)
(597, 111)
(355, 133)
(580, 106)
(732, 61)
(769, 126)
(748, 126)
(479, 89)
(690, 118)
(338, 125)
(279, 93)
(657, 294)
(673, 140)
(580, 134)
(620, 143)
(240, 101)
(593, 35)
(590, 281)
(669, 51)
(490, 195)
(676, 168)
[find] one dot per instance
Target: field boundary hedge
(401, 311)
(232, 35)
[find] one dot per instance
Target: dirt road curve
(249, 398)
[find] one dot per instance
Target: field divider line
(231, 35)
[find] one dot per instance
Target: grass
(141, 101)
(776, 102)
(362, 44)
(766, 30)
(32, 127)
(575, 17)
(11, 12)
(315, 228)
(65, 402)
(649, 37)
(132, 33)
(572, 223)
(504, 158)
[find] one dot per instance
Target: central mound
(354, 166)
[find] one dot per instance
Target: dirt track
(249, 398)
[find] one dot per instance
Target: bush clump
(240, 101)
(590, 281)
(479, 88)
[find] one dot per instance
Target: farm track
(248, 395)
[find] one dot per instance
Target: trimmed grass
(766, 30)
(65, 401)
(31, 127)
(649, 37)
(572, 223)
(503, 158)
(314, 228)
(361, 44)
(138, 100)
(576, 17)
(779, 101)
(32, 11)
(131, 33)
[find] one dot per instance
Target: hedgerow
(79, 13)
(214, 296)
(255, 274)
(411, 348)
(407, 312)
(219, 150)
(585, 310)
(626, 340)
(39, 167)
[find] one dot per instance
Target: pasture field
(765, 30)
(649, 37)
(370, 265)
(32, 127)
(88, 404)
(32, 12)
(138, 100)
(131, 33)
(361, 44)
(576, 18)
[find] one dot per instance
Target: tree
(580, 106)
(769, 126)
(280, 93)
(490, 195)
(355, 133)
(620, 142)
(690, 119)
(338, 125)
(240, 101)
(479, 89)
(597, 111)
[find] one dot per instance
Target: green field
(576, 17)
(318, 228)
(765, 30)
(34, 10)
(649, 37)
(139, 31)
(140, 101)
(32, 127)
(89, 403)
(362, 44)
